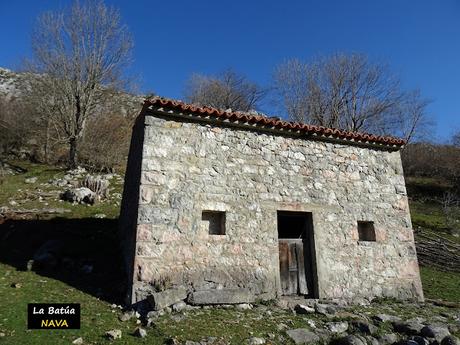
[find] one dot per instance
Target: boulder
(364, 327)
(163, 299)
(450, 340)
(179, 306)
(408, 327)
(337, 327)
(140, 332)
(389, 338)
(386, 318)
(256, 341)
(80, 195)
(303, 336)
(325, 309)
(351, 340)
(420, 340)
(435, 331)
(304, 309)
(113, 334)
(224, 296)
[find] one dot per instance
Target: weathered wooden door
(292, 267)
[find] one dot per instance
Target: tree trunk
(73, 153)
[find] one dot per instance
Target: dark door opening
(296, 252)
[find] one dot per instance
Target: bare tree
(456, 139)
(79, 52)
(228, 90)
(348, 92)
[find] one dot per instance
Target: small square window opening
(366, 231)
(214, 222)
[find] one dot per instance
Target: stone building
(229, 207)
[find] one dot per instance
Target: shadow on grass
(83, 253)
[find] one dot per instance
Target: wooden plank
(293, 269)
(302, 277)
(284, 267)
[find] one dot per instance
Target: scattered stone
(386, 318)
(337, 327)
(450, 340)
(16, 285)
(281, 326)
(179, 306)
(244, 306)
(100, 216)
(163, 299)
(80, 195)
(31, 179)
(364, 327)
(30, 265)
(256, 341)
(304, 309)
(408, 327)
(126, 316)
(420, 340)
(304, 336)
(372, 341)
(389, 338)
(113, 334)
(436, 332)
(325, 309)
(140, 332)
(351, 340)
(78, 341)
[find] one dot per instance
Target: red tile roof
(275, 123)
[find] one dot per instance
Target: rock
(80, 195)
(140, 332)
(337, 327)
(364, 327)
(78, 341)
(163, 299)
(436, 332)
(244, 306)
(304, 309)
(372, 340)
(302, 336)
(408, 327)
(2, 335)
(386, 318)
(126, 316)
(389, 338)
(420, 340)
(179, 306)
(450, 340)
(351, 340)
(256, 341)
(31, 179)
(281, 327)
(16, 285)
(97, 184)
(223, 296)
(113, 334)
(30, 265)
(100, 216)
(325, 309)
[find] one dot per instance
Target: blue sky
(419, 39)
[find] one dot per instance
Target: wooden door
(292, 267)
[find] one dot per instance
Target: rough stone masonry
(191, 169)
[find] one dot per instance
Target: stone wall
(190, 167)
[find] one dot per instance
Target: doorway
(296, 253)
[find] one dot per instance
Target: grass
(440, 285)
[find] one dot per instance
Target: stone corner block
(224, 296)
(163, 299)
